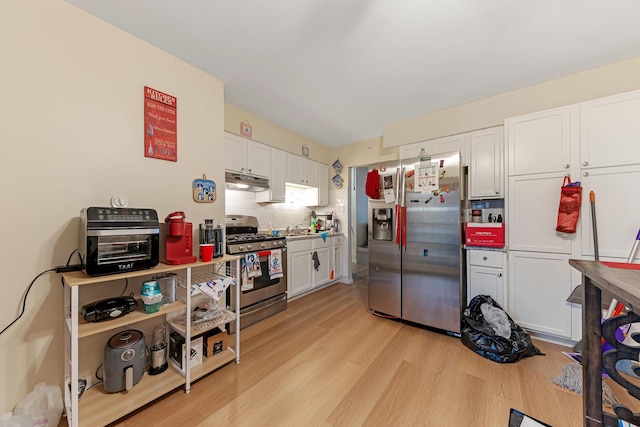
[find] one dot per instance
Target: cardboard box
(489, 234)
(215, 342)
(177, 350)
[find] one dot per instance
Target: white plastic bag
(43, 404)
(10, 420)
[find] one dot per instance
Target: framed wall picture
(305, 151)
(246, 129)
(160, 125)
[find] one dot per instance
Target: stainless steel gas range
(265, 293)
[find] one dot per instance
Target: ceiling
(337, 71)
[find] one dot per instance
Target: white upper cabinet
(539, 142)
(277, 181)
(413, 150)
(323, 185)
(302, 171)
(610, 131)
(452, 143)
(533, 213)
(246, 156)
(437, 146)
(486, 165)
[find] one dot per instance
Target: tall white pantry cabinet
(597, 143)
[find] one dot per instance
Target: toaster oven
(115, 240)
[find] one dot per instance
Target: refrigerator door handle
(396, 213)
(403, 210)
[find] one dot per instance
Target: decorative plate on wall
(204, 190)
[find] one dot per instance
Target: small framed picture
(305, 151)
(246, 129)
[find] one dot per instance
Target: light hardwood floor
(326, 361)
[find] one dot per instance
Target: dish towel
(316, 260)
(275, 264)
(252, 265)
(247, 282)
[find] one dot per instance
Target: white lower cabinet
(299, 267)
(338, 253)
(485, 275)
(539, 286)
(304, 255)
(321, 273)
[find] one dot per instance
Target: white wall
(71, 137)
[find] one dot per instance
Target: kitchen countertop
(310, 236)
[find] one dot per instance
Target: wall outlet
(305, 216)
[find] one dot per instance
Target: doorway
(358, 227)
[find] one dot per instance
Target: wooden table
(624, 285)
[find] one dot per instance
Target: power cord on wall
(60, 269)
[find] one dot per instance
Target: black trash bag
(478, 335)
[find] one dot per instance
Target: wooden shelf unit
(97, 407)
(622, 284)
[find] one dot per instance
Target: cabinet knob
(585, 163)
(567, 166)
(499, 274)
(585, 174)
(497, 192)
(484, 258)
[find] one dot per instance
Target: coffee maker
(176, 240)
(210, 234)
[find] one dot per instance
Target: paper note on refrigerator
(426, 178)
(389, 196)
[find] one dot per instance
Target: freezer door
(384, 278)
(432, 268)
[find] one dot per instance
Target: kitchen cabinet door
(338, 252)
(322, 275)
(413, 150)
(540, 142)
(310, 172)
(610, 131)
(617, 207)
(299, 277)
(323, 185)
(486, 165)
(294, 172)
(452, 143)
(246, 156)
(539, 285)
(277, 181)
(486, 281)
(258, 159)
(235, 153)
(533, 212)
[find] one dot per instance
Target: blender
(158, 351)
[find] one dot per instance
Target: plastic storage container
(43, 404)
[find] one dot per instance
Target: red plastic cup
(206, 251)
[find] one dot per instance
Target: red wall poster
(160, 125)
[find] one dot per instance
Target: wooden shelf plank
(86, 329)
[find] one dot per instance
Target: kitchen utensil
(158, 350)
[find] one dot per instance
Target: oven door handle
(123, 232)
(262, 307)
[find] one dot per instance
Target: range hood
(244, 182)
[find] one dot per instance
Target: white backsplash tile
(289, 213)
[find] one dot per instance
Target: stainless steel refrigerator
(415, 239)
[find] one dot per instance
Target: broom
(571, 376)
(577, 348)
